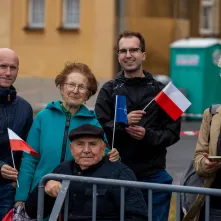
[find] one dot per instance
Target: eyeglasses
(4, 67)
(124, 51)
(81, 88)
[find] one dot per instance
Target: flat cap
(86, 130)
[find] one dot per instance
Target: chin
(74, 104)
(130, 70)
(5, 85)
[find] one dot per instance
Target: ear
(144, 56)
(103, 147)
(118, 57)
(88, 96)
(61, 88)
(71, 148)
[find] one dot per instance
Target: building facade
(47, 33)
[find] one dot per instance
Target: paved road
(180, 154)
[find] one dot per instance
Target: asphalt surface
(180, 154)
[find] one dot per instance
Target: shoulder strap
(212, 111)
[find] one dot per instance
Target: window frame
(31, 23)
(75, 24)
(213, 19)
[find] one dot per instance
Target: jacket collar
(77, 170)
(7, 95)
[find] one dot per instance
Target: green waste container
(194, 67)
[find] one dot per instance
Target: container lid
(195, 43)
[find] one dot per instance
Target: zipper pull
(9, 97)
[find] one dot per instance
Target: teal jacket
(46, 137)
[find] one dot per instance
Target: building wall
(5, 23)
(161, 22)
(42, 53)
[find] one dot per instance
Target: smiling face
(8, 67)
(87, 151)
(130, 55)
(74, 90)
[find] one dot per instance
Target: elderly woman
(50, 129)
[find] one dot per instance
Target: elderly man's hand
(9, 172)
(52, 188)
(113, 155)
(137, 132)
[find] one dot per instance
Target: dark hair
(82, 69)
(128, 34)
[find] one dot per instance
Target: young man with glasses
(16, 114)
(143, 141)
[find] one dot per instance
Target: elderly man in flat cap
(87, 147)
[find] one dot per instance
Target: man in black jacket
(87, 147)
(143, 141)
(16, 114)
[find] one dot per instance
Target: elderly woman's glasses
(72, 86)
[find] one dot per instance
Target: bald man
(16, 114)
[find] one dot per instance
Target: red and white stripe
(189, 133)
(17, 144)
(172, 101)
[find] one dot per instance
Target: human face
(87, 151)
(74, 90)
(8, 68)
(130, 55)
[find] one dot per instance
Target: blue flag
(121, 109)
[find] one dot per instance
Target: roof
(195, 43)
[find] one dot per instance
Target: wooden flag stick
(14, 167)
(148, 104)
(114, 122)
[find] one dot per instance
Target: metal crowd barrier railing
(64, 194)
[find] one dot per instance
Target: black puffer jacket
(16, 114)
(108, 197)
(147, 156)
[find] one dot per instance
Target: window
(36, 13)
(209, 17)
(71, 14)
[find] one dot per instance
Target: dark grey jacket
(16, 114)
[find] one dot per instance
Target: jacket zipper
(67, 125)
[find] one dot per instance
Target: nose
(76, 89)
(128, 54)
(86, 149)
(8, 71)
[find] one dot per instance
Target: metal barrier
(122, 183)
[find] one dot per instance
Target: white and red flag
(17, 144)
(172, 101)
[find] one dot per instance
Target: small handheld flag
(17, 144)
(172, 101)
(120, 113)
(121, 109)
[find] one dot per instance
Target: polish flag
(172, 101)
(17, 144)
